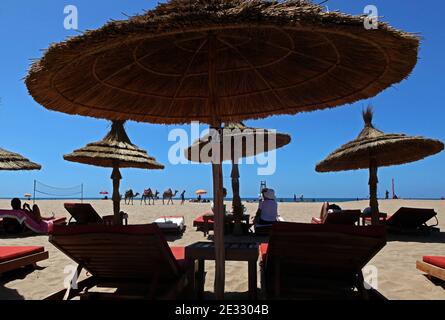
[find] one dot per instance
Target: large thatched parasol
(238, 141)
(373, 149)
(220, 61)
(115, 151)
(14, 162)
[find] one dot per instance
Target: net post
(34, 195)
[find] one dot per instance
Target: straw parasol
(14, 162)
(373, 149)
(221, 61)
(115, 151)
(238, 141)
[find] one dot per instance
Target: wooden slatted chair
(308, 261)
(134, 260)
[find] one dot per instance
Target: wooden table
(202, 251)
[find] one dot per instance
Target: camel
(129, 195)
(169, 195)
(148, 194)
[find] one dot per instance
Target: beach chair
(82, 213)
(411, 220)
(134, 260)
(25, 219)
(433, 266)
(12, 258)
(345, 217)
(171, 224)
(309, 261)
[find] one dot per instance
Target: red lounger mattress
(435, 261)
(11, 253)
(199, 222)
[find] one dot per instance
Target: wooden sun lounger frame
(431, 270)
(272, 287)
(28, 260)
(81, 289)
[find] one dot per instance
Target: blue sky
(414, 107)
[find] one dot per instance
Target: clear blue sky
(414, 107)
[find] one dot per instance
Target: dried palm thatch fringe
(385, 149)
(14, 162)
(115, 150)
(243, 142)
(272, 58)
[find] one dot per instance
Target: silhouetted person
(11, 225)
(182, 197)
(387, 195)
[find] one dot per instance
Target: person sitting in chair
(10, 225)
(34, 212)
(267, 212)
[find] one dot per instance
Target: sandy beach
(398, 277)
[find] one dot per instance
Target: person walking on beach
(182, 197)
(387, 195)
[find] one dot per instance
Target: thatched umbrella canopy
(221, 61)
(115, 151)
(238, 141)
(373, 149)
(14, 162)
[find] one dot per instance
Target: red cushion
(263, 251)
(179, 254)
(368, 219)
(200, 221)
(11, 253)
(435, 261)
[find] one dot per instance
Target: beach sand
(398, 277)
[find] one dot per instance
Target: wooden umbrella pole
(236, 202)
(373, 201)
(116, 177)
(217, 176)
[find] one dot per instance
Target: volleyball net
(45, 191)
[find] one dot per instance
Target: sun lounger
(433, 266)
(346, 217)
(12, 258)
(308, 261)
(171, 224)
(23, 217)
(206, 222)
(83, 213)
(410, 220)
(134, 260)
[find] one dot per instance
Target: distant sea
(331, 200)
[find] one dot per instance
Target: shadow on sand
(19, 274)
(436, 282)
